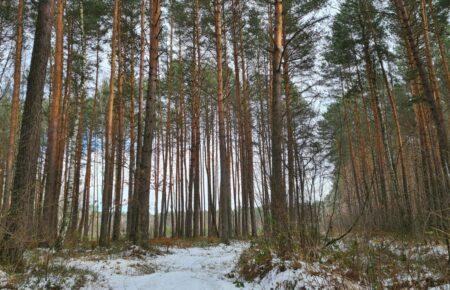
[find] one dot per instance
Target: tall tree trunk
(144, 167)
(14, 118)
(390, 93)
(157, 157)
(12, 245)
(66, 180)
(64, 138)
(212, 224)
(133, 202)
(290, 132)
(77, 174)
(109, 151)
(164, 199)
(196, 120)
(225, 227)
(119, 150)
(84, 223)
(248, 145)
(80, 134)
(132, 159)
(51, 194)
(240, 124)
(278, 205)
(378, 123)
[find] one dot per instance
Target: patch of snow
(441, 287)
(49, 282)
(3, 279)
(190, 268)
(303, 276)
(68, 280)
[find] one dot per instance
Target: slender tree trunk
(84, 223)
(240, 124)
(77, 173)
(352, 156)
(262, 159)
(132, 159)
(134, 198)
(144, 165)
(49, 222)
(278, 204)
(390, 93)
(157, 156)
(212, 224)
(64, 137)
(224, 228)
(290, 132)
(80, 134)
(109, 151)
(14, 117)
(196, 120)
(164, 200)
(119, 150)
(66, 180)
(248, 145)
(378, 123)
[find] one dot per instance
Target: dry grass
(184, 243)
(373, 263)
(44, 270)
(256, 261)
(382, 262)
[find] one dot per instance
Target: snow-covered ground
(190, 268)
(196, 268)
(210, 267)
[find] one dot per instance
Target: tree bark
(278, 205)
(167, 143)
(144, 167)
(80, 134)
(119, 128)
(224, 226)
(290, 132)
(196, 120)
(109, 151)
(84, 222)
(14, 118)
(132, 160)
(12, 245)
(133, 200)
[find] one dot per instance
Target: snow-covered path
(190, 268)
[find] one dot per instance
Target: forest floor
(352, 263)
(211, 265)
(202, 266)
